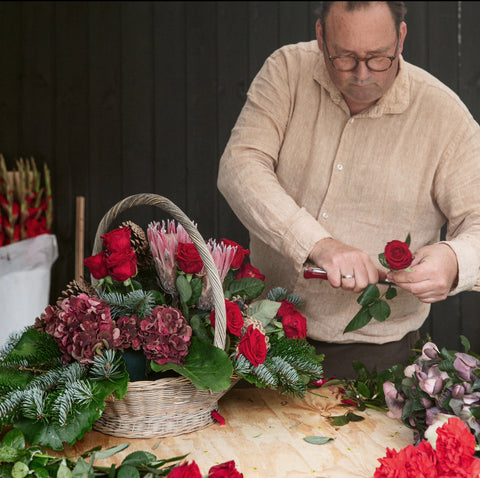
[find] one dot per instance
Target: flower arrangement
(25, 204)
(395, 257)
(451, 454)
(438, 384)
(153, 297)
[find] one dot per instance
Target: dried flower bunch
(25, 203)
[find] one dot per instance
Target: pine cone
(140, 245)
(75, 288)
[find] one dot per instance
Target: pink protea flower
(223, 256)
(82, 327)
(165, 335)
(163, 240)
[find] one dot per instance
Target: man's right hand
(346, 267)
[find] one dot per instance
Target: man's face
(363, 33)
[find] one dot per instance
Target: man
(341, 147)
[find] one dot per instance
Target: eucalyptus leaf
(317, 440)
(380, 310)
(362, 318)
(101, 455)
(369, 295)
(65, 472)
(9, 454)
(20, 470)
(265, 311)
(139, 458)
(196, 288)
(14, 438)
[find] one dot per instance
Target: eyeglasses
(350, 62)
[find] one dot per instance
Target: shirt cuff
(468, 264)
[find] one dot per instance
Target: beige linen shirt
(299, 168)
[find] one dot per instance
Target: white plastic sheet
(25, 268)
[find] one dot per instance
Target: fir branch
(136, 302)
(34, 404)
(288, 377)
(9, 406)
(107, 366)
(63, 405)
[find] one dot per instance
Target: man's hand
(434, 273)
(346, 267)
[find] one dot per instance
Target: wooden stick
(79, 237)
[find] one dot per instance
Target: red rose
(253, 346)
(286, 308)
(455, 448)
(234, 318)
(188, 258)
(295, 325)
(117, 240)
(247, 270)
(35, 227)
(398, 255)
(185, 470)
(122, 265)
(240, 253)
(97, 265)
(224, 470)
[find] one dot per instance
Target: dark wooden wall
(128, 97)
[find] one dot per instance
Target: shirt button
(352, 120)
(339, 167)
(325, 215)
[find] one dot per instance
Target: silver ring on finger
(348, 276)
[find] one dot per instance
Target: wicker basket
(168, 406)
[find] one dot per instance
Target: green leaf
(198, 328)
(207, 366)
(317, 440)
(184, 288)
(408, 239)
(101, 455)
(82, 469)
(248, 287)
(15, 439)
(391, 293)
(10, 454)
(196, 288)
(265, 311)
(465, 343)
(64, 472)
(127, 471)
(369, 295)
(364, 390)
(139, 458)
(339, 421)
(20, 470)
(352, 417)
(383, 261)
(380, 310)
(361, 319)
(158, 297)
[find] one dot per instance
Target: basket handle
(148, 199)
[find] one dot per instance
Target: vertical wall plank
(232, 88)
(170, 103)
(202, 154)
(294, 22)
(71, 167)
(136, 103)
(105, 119)
(11, 53)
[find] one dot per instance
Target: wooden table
(264, 434)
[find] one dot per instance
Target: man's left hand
(434, 273)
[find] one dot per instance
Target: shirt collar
(395, 100)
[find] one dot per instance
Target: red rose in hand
(247, 270)
(188, 258)
(398, 255)
(117, 240)
(122, 265)
(253, 346)
(295, 325)
(97, 265)
(185, 470)
(240, 253)
(224, 470)
(234, 318)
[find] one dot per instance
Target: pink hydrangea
(165, 335)
(82, 326)
(130, 336)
